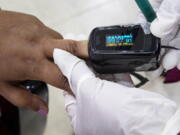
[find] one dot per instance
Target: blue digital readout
(119, 40)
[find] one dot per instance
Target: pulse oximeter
(117, 49)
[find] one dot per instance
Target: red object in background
(172, 76)
(9, 119)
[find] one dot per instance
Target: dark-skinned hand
(26, 49)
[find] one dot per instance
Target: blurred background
(80, 17)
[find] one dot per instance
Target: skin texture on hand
(26, 49)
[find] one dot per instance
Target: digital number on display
(119, 40)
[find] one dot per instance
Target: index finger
(77, 48)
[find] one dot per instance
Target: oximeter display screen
(123, 39)
(119, 49)
(119, 40)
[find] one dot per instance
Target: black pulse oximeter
(118, 49)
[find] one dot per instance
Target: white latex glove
(166, 27)
(106, 108)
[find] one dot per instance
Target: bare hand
(26, 48)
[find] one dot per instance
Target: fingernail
(42, 112)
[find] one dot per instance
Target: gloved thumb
(72, 67)
(168, 17)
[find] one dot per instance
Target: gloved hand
(166, 27)
(103, 107)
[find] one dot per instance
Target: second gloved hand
(166, 27)
(102, 107)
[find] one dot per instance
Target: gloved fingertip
(58, 56)
(61, 55)
(55, 54)
(163, 28)
(156, 29)
(170, 60)
(65, 61)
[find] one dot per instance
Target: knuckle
(35, 27)
(53, 33)
(35, 24)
